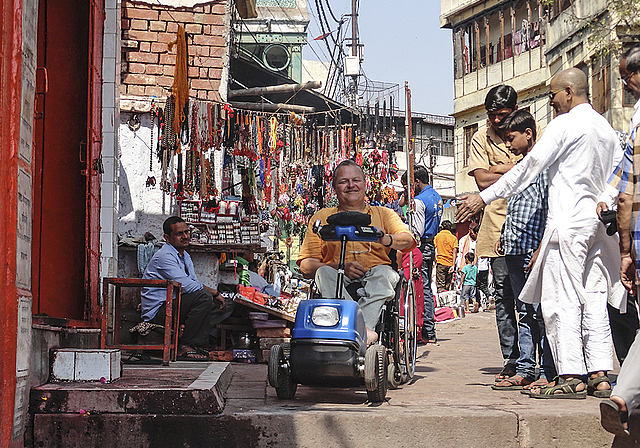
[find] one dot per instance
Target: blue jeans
(531, 332)
(429, 326)
(505, 311)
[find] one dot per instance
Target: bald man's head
(568, 89)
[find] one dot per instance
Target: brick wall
(147, 64)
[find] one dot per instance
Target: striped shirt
(625, 179)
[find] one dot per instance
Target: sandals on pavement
(507, 372)
(568, 390)
(612, 419)
(516, 382)
(540, 383)
(592, 386)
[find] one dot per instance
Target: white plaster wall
(140, 208)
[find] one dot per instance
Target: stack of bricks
(148, 65)
(268, 337)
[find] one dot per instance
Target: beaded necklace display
(151, 180)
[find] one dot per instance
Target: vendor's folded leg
(195, 314)
(218, 316)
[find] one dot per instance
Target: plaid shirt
(526, 218)
(625, 179)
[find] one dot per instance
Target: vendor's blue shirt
(432, 210)
(167, 264)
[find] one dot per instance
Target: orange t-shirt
(445, 242)
(367, 254)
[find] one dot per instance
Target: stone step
(182, 388)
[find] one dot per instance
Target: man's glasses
(626, 79)
(553, 94)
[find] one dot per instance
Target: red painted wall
(10, 94)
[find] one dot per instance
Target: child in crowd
(469, 274)
(521, 235)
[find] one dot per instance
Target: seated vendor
(254, 279)
(201, 307)
(365, 262)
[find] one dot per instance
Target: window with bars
(468, 135)
(601, 85)
(557, 7)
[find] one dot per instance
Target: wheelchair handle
(332, 232)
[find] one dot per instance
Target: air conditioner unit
(352, 66)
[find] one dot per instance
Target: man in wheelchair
(365, 262)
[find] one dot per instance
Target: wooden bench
(171, 323)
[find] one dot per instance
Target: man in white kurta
(577, 267)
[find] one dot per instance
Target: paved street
(449, 403)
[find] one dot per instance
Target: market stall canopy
(246, 74)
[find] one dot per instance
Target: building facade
(523, 43)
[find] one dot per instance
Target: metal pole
(408, 151)
(354, 46)
(284, 88)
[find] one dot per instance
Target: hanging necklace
(151, 180)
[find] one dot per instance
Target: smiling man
(368, 263)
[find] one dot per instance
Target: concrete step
(448, 403)
(191, 388)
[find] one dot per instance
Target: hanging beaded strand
(151, 180)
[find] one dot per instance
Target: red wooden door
(66, 144)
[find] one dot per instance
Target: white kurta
(579, 149)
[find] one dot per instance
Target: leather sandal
(568, 390)
(592, 386)
(612, 419)
(516, 382)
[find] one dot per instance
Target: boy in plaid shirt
(521, 236)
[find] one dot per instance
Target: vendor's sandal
(191, 354)
(507, 372)
(592, 386)
(612, 419)
(567, 390)
(516, 382)
(540, 383)
(141, 359)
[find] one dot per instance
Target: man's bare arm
(627, 263)
(400, 240)
(485, 178)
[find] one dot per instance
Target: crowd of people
(564, 288)
(567, 273)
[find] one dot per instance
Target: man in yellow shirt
(446, 251)
(368, 263)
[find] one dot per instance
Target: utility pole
(354, 47)
(409, 155)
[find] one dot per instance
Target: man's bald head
(574, 78)
(568, 89)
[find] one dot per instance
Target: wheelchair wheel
(279, 374)
(394, 374)
(394, 340)
(375, 373)
(409, 338)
